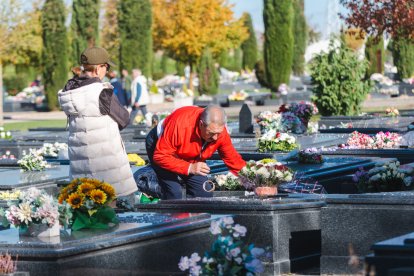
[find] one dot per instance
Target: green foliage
(372, 50)
(259, 69)
(135, 27)
(179, 66)
(300, 33)
(339, 82)
(207, 75)
(236, 64)
(163, 65)
(403, 55)
(278, 47)
(223, 59)
(54, 55)
(15, 83)
(84, 27)
(249, 46)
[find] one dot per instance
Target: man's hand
(199, 168)
(136, 104)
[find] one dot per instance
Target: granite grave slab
(142, 244)
(290, 225)
(358, 221)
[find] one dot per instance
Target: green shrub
(372, 49)
(339, 84)
(403, 55)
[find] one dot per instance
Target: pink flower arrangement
(381, 140)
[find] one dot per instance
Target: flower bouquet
(384, 177)
(228, 255)
(228, 182)
(88, 200)
(310, 156)
(292, 123)
(303, 110)
(52, 150)
(33, 161)
(381, 140)
(268, 120)
(276, 141)
(238, 96)
(264, 173)
(392, 111)
(33, 208)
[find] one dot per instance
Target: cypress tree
(249, 46)
(109, 36)
(300, 37)
(179, 66)
(207, 74)
(373, 49)
(403, 55)
(54, 54)
(84, 27)
(223, 59)
(163, 63)
(237, 60)
(135, 27)
(278, 47)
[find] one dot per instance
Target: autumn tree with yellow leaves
(184, 28)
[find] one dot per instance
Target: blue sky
(316, 12)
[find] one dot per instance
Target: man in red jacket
(186, 139)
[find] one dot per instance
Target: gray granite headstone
(245, 120)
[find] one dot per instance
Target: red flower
(277, 134)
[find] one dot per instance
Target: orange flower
(75, 200)
(62, 197)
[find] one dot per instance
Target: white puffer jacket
(95, 145)
(144, 98)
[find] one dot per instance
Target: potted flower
(54, 150)
(185, 97)
(264, 176)
(5, 134)
(156, 96)
(89, 200)
(381, 140)
(392, 112)
(384, 177)
(228, 255)
(237, 97)
(276, 141)
(310, 156)
(35, 213)
(268, 120)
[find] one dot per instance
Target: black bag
(147, 181)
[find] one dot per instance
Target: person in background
(139, 94)
(118, 91)
(126, 84)
(95, 118)
(180, 145)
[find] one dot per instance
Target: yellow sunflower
(98, 196)
(75, 200)
(85, 188)
(108, 189)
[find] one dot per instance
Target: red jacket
(180, 144)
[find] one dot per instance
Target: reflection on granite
(15, 178)
(130, 223)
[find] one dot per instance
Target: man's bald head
(214, 114)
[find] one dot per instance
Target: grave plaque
(245, 120)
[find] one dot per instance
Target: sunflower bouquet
(88, 200)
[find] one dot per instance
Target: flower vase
(265, 191)
(40, 230)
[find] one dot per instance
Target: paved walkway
(403, 102)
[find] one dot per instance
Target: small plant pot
(40, 230)
(265, 191)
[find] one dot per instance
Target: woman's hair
(79, 70)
